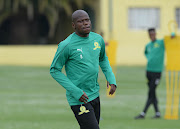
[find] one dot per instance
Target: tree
(48, 8)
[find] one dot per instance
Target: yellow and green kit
(154, 53)
(81, 57)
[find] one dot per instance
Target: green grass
(31, 99)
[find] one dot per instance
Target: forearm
(105, 66)
(107, 70)
(67, 84)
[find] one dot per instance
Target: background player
(154, 53)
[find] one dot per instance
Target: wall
(27, 55)
(131, 43)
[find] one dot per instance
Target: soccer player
(82, 52)
(154, 52)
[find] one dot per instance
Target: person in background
(154, 52)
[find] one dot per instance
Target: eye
(79, 21)
(87, 20)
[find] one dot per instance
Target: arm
(106, 68)
(145, 52)
(59, 61)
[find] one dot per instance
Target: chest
(85, 52)
(154, 47)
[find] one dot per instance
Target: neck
(82, 35)
(154, 40)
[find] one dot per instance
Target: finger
(84, 100)
(111, 92)
(81, 100)
(107, 84)
(113, 89)
(85, 95)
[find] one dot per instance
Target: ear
(73, 25)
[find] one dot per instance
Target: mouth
(85, 28)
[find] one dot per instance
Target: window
(178, 17)
(143, 18)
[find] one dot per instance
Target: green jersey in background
(81, 57)
(154, 53)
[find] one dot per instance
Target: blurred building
(127, 21)
(40, 21)
(123, 21)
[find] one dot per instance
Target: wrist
(113, 85)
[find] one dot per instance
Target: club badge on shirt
(156, 45)
(96, 45)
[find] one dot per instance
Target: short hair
(77, 13)
(151, 29)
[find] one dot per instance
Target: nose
(85, 22)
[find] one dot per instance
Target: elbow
(52, 72)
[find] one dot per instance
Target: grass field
(31, 99)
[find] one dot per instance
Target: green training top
(81, 57)
(154, 53)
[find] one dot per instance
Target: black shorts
(88, 115)
(153, 78)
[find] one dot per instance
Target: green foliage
(49, 8)
(31, 99)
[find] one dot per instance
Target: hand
(107, 84)
(113, 88)
(84, 98)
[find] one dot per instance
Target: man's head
(81, 23)
(152, 34)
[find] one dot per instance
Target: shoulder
(148, 44)
(95, 35)
(65, 43)
(161, 41)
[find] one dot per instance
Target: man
(154, 53)
(82, 52)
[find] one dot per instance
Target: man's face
(152, 35)
(82, 24)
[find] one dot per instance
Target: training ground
(31, 99)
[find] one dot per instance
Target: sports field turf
(31, 99)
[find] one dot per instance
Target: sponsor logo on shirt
(96, 45)
(81, 52)
(83, 110)
(81, 56)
